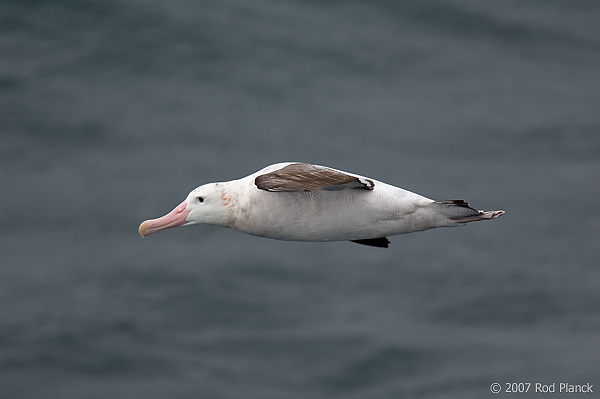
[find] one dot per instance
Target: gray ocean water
(112, 111)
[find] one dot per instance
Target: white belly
(334, 215)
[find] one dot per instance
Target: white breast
(325, 215)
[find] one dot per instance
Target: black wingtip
(462, 203)
(381, 242)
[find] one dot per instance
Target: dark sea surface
(112, 111)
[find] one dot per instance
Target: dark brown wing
(307, 177)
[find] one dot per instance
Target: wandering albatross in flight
(304, 202)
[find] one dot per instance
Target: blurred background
(112, 111)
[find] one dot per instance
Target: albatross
(303, 202)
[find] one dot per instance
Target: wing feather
(307, 177)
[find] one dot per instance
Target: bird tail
(460, 211)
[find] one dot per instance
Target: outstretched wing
(307, 177)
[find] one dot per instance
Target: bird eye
(200, 199)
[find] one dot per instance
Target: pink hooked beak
(176, 217)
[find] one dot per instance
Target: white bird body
(303, 202)
(329, 215)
